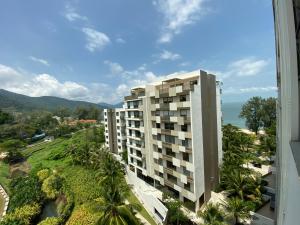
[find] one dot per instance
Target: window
(131, 151)
(194, 82)
(183, 112)
(159, 150)
(105, 113)
(138, 153)
(158, 125)
(105, 120)
(167, 99)
(187, 186)
(119, 134)
(157, 113)
(170, 139)
(185, 143)
(169, 126)
(186, 156)
(182, 98)
(170, 152)
(170, 165)
(156, 100)
(117, 113)
(159, 137)
(184, 128)
(131, 159)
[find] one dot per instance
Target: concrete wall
(197, 141)
(144, 192)
(210, 132)
(288, 186)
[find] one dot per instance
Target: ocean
(231, 111)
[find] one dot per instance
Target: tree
(259, 113)
(114, 192)
(24, 191)
(213, 215)
(269, 112)
(125, 156)
(51, 186)
(5, 117)
(175, 215)
(238, 209)
(252, 111)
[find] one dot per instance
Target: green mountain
(14, 101)
(104, 105)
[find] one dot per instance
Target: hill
(11, 100)
(104, 105)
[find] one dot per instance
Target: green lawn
(133, 200)
(4, 175)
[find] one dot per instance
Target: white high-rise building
(287, 27)
(173, 130)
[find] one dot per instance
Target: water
(49, 210)
(231, 113)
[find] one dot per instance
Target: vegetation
(23, 103)
(238, 209)
(213, 215)
(259, 113)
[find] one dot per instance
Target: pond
(49, 210)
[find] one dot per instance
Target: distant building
(173, 130)
(287, 29)
(88, 121)
(115, 130)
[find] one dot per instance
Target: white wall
(197, 140)
(146, 194)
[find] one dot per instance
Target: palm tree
(114, 193)
(117, 214)
(238, 209)
(213, 215)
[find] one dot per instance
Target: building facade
(174, 135)
(115, 133)
(287, 24)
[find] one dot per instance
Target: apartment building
(174, 135)
(287, 24)
(115, 133)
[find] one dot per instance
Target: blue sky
(96, 50)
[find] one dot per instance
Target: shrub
(22, 216)
(24, 191)
(51, 186)
(50, 221)
(43, 174)
(82, 216)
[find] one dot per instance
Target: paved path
(5, 197)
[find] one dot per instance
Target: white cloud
(177, 14)
(71, 14)
(120, 41)
(95, 40)
(115, 68)
(39, 84)
(166, 55)
(232, 90)
(247, 66)
(42, 61)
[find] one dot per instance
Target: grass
(134, 200)
(4, 175)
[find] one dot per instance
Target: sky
(97, 50)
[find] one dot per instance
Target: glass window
(182, 98)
